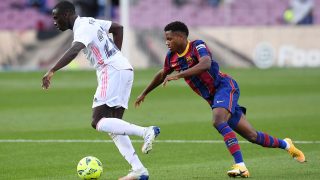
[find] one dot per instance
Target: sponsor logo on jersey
(100, 35)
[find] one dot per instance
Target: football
(89, 168)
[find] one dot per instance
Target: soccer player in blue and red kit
(193, 61)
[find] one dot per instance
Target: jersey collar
(185, 51)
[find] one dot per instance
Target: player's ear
(67, 14)
(180, 35)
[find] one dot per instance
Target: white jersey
(100, 49)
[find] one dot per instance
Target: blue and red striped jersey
(204, 84)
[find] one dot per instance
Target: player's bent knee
(252, 137)
(94, 123)
(216, 123)
(219, 119)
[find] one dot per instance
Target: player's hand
(139, 100)
(46, 79)
(169, 78)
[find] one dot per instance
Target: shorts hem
(110, 105)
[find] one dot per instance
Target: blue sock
(266, 140)
(229, 137)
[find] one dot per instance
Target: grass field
(282, 102)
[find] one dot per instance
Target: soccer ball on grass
(89, 168)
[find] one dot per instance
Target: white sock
(126, 149)
(287, 145)
(119, 127)
(241, 164)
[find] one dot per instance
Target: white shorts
(114, 87)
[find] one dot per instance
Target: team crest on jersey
(100, 35)
(189, 58)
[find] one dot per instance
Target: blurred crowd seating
(17, 14)
(21, 15)
(157, 13)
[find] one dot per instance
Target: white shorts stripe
(114, 87)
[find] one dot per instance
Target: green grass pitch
(281, 102)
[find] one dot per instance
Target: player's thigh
(104, 111)
(101, 112)
(118, 112)
(220, 115)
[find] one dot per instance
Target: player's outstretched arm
(157, 80)
(68, 56)
(117, 33)
(203, 65)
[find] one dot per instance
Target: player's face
(60, 20)
(174, 41)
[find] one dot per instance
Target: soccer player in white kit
(115, 78)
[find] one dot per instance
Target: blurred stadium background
(241, 33)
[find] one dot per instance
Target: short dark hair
(177, 26)
(65, 6)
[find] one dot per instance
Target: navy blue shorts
(227, 96)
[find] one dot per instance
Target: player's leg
(223, 105)
(110, 101)
(116, 94)
(245, 129)
(124, 145)
(220, 116)
(149, 134)
(118, 112)
(107, 119)
(138, 170)
(122, 142)
(104, 120)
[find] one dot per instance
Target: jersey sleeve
(84, 35)
(104, 24)
(201, 49)
(166, 67)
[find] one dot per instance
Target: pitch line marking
(134, 141)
